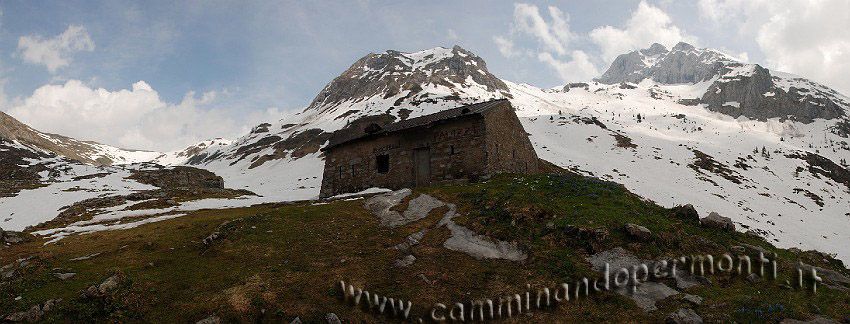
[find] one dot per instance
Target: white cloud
(805, 37)
(506, 46)
(134, 118)
(55, 52)
(647, 25)
(555, 36)
(579, 68)
(451, 34)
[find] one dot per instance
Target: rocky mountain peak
(407, 77)
(683, 64)
(655, 49)
(737, 89)
(682, 47)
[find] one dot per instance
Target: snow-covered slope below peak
(786, 180)
(181, 156)
(395, 83)
(83, 151)
(378, 88)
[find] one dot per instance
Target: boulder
(12, 237)
(639, 232)
(405, 261)
(109, 284)
(684, 316)
(686, 212)
(692, 299)
(64, 276)
(50, 304)
(332, 318)
(212, 319)
(753, 278)
(716, 221)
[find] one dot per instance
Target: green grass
(275, 262)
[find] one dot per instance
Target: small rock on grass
(639, 232)
(212, 319)
(693, 299)
(64, 276)
(332, 318)
(684, 316)
(753, 278)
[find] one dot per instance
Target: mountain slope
(678, 126)
(705, 153)
(87, 152)
(281, 160)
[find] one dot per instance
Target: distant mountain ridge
(84, 151)
(737, 88)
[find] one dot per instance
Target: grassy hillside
(272, 263)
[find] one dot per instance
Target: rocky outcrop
(684, 316)
(34, 313)
(716, 221)
(18, 169)
(687, 212)
(647, 294)
(12, 237)
(753, 94)
(179, 177)
(638, 232)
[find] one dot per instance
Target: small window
(383, 163)
(451, 150)
(340, 172)
(513, 154)
(352, 170)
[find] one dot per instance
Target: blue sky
(224, 65)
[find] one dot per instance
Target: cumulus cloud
(578, 68)
(134, 118)
(554, 36)
(54, 53)
(804, 37)
(505, 45)
(647, 25)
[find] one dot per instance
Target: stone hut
(456, 145)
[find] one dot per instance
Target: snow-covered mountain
(677, 126)
(84, 151)
(659, 121)
(281, 160)
(181, 156)
(737, 88)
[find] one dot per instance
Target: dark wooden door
(423, 166)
